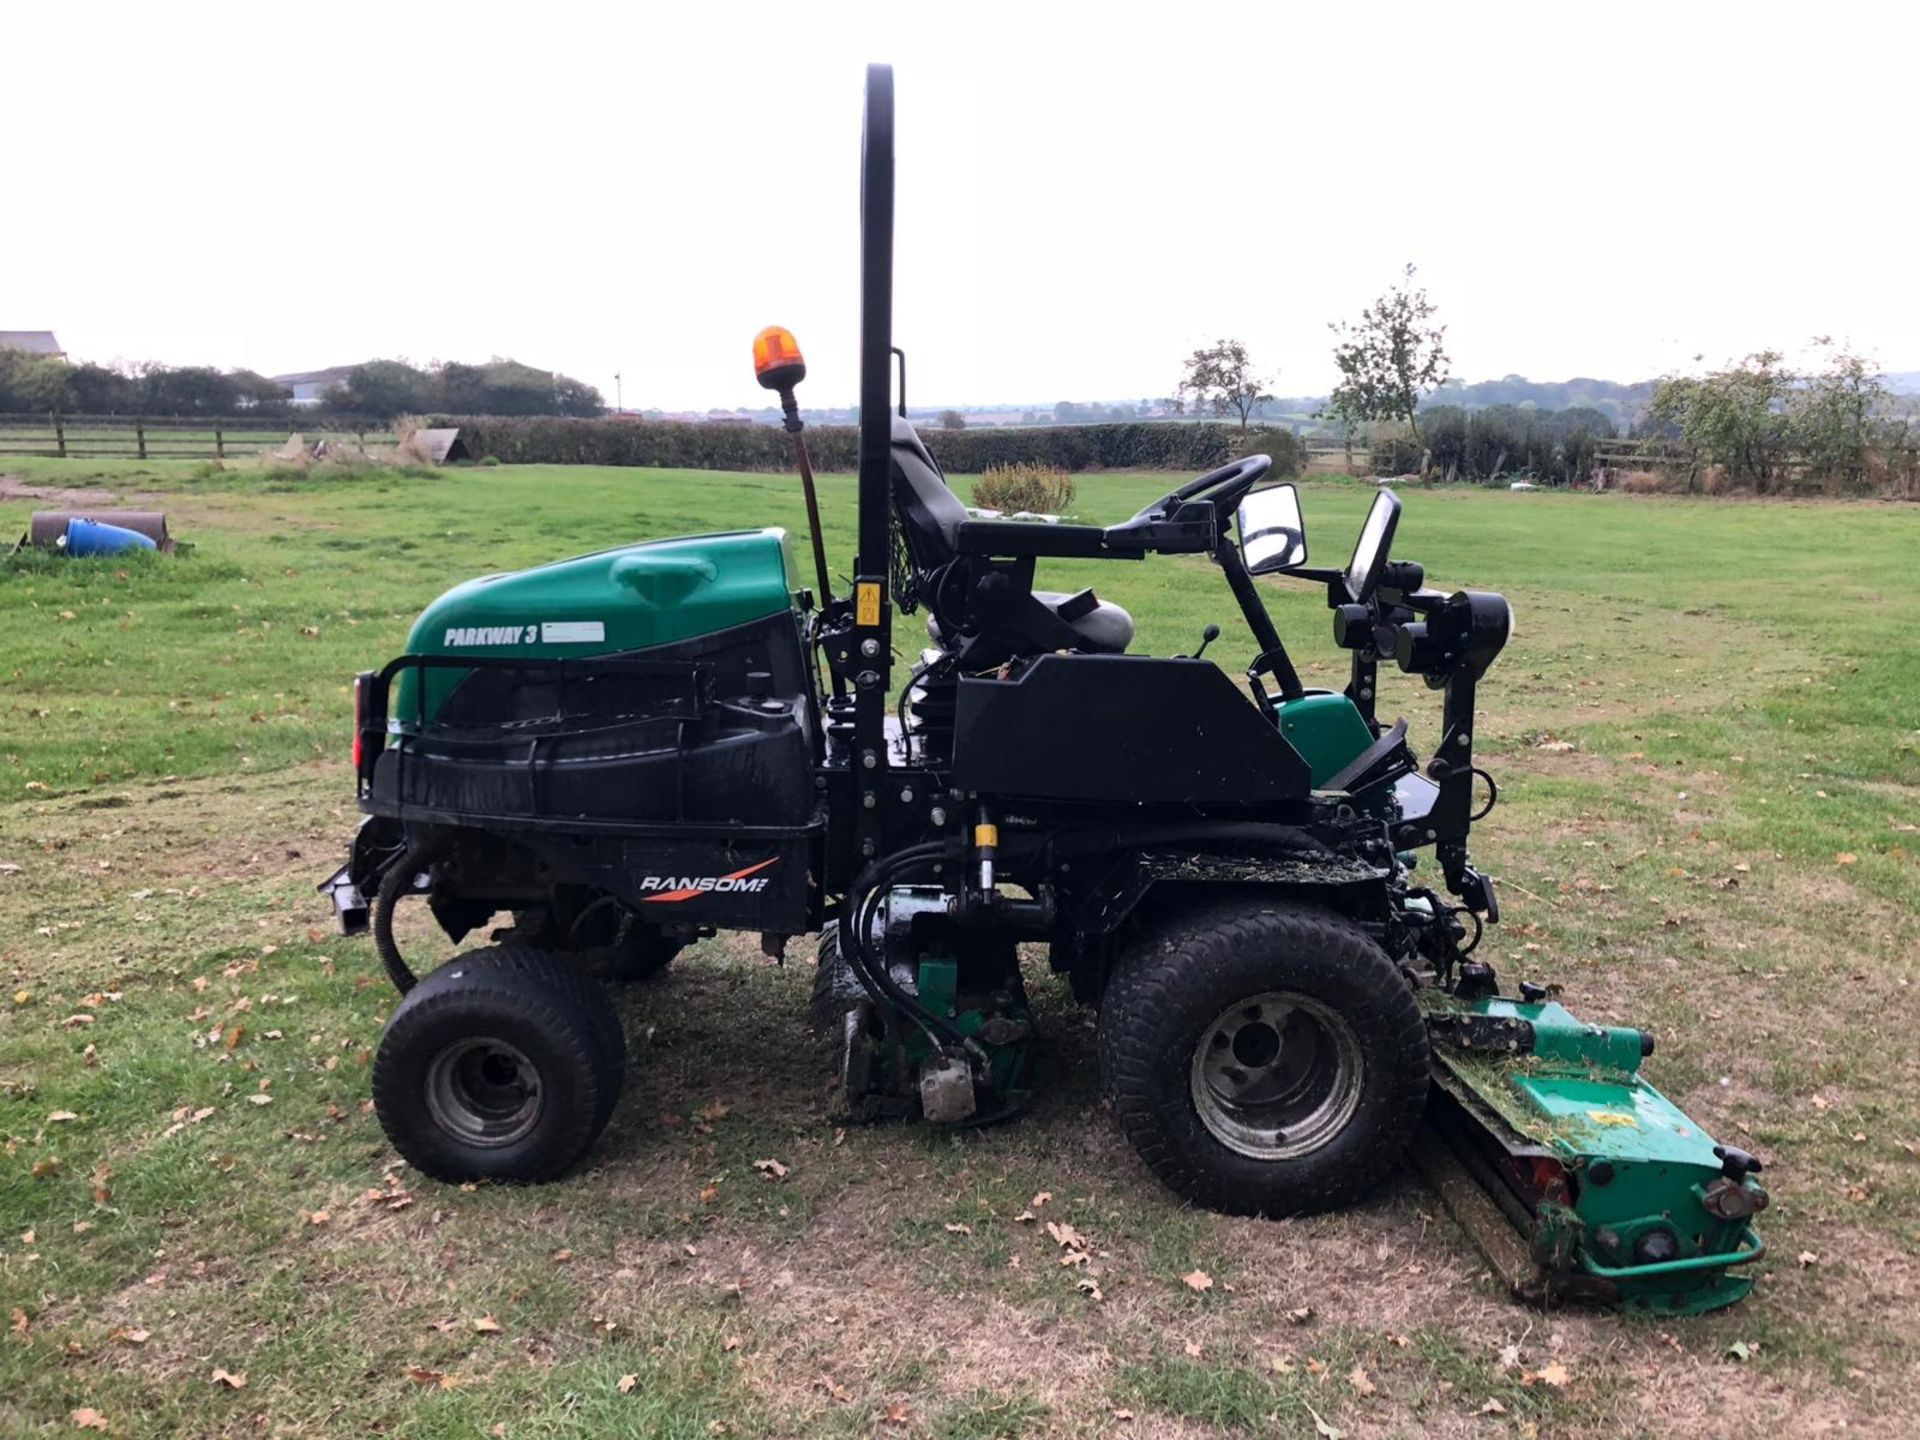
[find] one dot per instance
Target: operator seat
(930, 518)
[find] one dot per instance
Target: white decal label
(572, 632)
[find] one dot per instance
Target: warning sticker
(572, 632)
(866, 603)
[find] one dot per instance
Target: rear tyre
(504, 1064)
(1264, 1058)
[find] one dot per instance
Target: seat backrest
(930, 513)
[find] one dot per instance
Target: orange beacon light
(777, 362)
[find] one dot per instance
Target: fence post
(140, 433)
(60, 436)
(219, 444)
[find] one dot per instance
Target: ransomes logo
(671, 888)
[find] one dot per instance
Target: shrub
(530, 440)
(1043, 489)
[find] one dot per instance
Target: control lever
(1207, 637)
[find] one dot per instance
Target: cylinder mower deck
(1616, 1195)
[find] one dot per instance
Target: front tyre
(1263, 1057)
(500, 1065)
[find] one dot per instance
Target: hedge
(543, 440)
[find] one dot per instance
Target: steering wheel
(1228, 484)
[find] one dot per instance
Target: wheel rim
(1276, 1076)
(483, 1091)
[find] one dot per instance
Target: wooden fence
(173, 437)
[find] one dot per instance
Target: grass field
(1707, 734)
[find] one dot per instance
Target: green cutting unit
(1265, 893)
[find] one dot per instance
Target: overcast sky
(1085, 194)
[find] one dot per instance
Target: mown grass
(1726, 852)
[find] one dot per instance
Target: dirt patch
(14, 487)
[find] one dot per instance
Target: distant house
(33, 342)
(310, 387)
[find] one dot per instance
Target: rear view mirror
(1273, 535)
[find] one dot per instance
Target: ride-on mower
(632, 749)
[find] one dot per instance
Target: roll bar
(872, 611)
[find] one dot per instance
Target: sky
(1086, 192)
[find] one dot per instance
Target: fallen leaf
(128, 1335)
(1509, 1356)
(50, 1165)
(1192, 1347)
(627, 1382)
(1807, 1257)
(1089, 1289)
(1740, 1350)
(1041, 1199)
(101, 1191)
(21, 1324)
(1198, 1281)
(561, 1257)
(955, 1228)
(421, 1375)
(61, 1117)
(1846, 857)
(235, 1034)
(316, 1217)
(1281, 1365)
(898, 1413)
(772, 1169)
(1025, 1217)
(1492, 1407)
(27, 1237)
(1301, 1315)
(730, 1344)
(259, 1099)
(1552, 1373)
(1064, 1234)
(486, 1325)
(1321, 1428)
(718, 1110)
(1123, 1415)
(86, 1418)
(1361, 1382)
(229, 1379)
(836, 1389)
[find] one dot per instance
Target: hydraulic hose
(856, 927)
(397, 880)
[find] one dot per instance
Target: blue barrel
(90, 537)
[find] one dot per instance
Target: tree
(187, 390)
(96, 390)
(576, 397)
(952, 420)
(256, 392)
(1837, 414)
(1736, 417)
(1222, 378)
(1388, 358)
(32, 383)
(384, 389)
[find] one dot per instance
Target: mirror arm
(1364, 686)
(1273, 656)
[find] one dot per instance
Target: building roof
(34, 342)
(315, 377)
